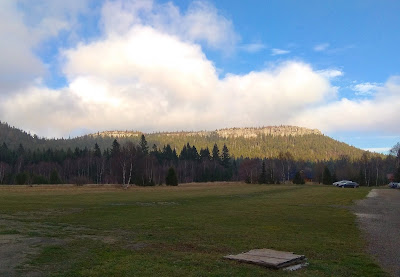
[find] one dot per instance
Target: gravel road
(378, 216)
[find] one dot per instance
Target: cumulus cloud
(18, 64)
(366, 115)
(24, 26)
(146, 72)
(200, 23)
(149, 80)
(276, 51)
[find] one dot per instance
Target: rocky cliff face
(117, 134)
(267, 131)
(227, 133)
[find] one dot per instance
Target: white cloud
(18, 64)
(321, 47)
(331, 73)
(147, 71)
(366, 88)
(253, 47)
(378, 113)
(149, 57)
(24, 26)
(200, 23)
(148, 80)
(276, 51)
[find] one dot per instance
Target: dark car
(349, 185)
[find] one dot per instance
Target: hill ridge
(234, 132)
(252, 142)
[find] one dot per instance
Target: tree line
(139, 164)
(311, 147)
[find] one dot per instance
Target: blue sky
(84, 66)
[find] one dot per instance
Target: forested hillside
(266, 142)
(263, 155)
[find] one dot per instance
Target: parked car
(349, 185)
(394, 185)
(340, 182)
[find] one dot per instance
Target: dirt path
(379, 218)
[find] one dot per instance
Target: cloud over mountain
(147, 70)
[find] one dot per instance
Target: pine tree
(143, 145)
(215, 153)
(205, 154)
(194, 154)
(327, 177)
(262, 179)
(183, 155)
(171, 179)
(116, 148)
(97, 151)
(225, 157)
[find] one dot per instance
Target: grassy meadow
(184, 230)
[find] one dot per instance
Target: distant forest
(311, 147)
(127, 162)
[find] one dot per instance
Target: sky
(74, 67)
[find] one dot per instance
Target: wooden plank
(274, 253)
(268, 257)
(259, 259)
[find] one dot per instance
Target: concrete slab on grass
(268, 258)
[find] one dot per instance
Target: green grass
(186, 230)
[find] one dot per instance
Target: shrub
(55, 178)
(39, 180)
(298, 179)
(21, 178)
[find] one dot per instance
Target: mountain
(302, 143)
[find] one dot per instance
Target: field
(178, 231)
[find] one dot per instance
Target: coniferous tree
(116, 148)
(205, 154)
(143, 145)
(174, 155)
(262, 179)
(334, 178)
(215, 153)
(327, 177)
(171, 179)
(194, 154)
(21, 150)
(225, 157)
(97, 151)
(183, 155)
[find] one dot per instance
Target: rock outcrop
(226, 133)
